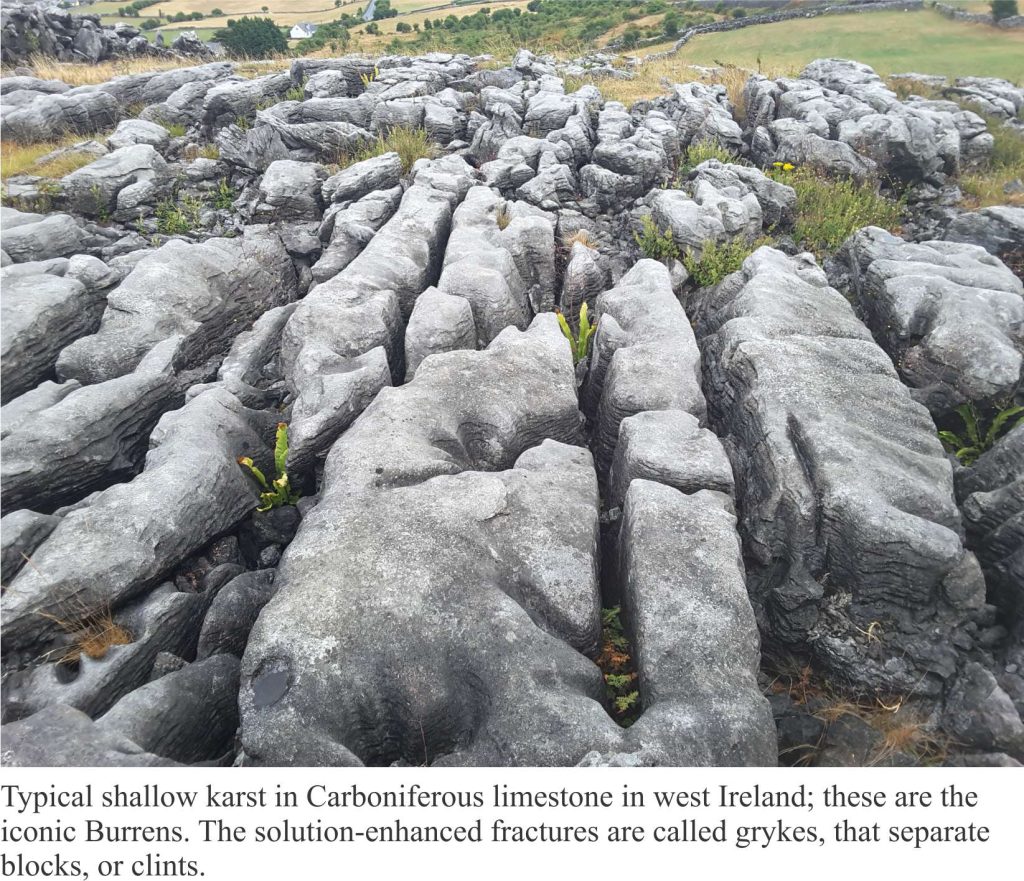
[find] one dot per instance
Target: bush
(654, 243)
(701, 151)
(630, 38)
(717, 260)
(671, 24)
(829, 211)
(252, 38)
(1003, 8)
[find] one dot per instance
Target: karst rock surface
(345, 276)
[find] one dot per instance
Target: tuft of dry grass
(503, 218)
(582, 237)
(903, 729)
(409, 143)
(92, 634)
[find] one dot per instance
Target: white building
(303, 30)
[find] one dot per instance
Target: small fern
(278, 492)
(578, 343)
(979, 433)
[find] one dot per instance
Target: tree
(216, 11)
(402, 28)
(264, 9)
(630, 38)
(252, 38)
(1003, 8)
(373, 28)
(671, 24)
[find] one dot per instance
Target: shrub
(277, 493)
(180, 217)
(252, 38)
(654, 243)
(979, 432)
(578, 343)
(223, 196)
(1003, 9)
(701, 151)
(829, 210)
(719, 259)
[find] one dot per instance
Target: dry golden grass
(77, 74)
(656, 77)
(582, 237)
(92, 636)
(24, 158)
(902, 728)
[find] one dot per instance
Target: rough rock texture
(999, 230)
(991, 494)
(41, 238)
(439, 323)
(844, 522)
(669, 447)
(127, 537)
(680, 561)
(93, 436)
(40, 315)
(644, 357)
(479, 267)
(203, 294)
(950, 315)
(341, 346)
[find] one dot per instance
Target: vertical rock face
(992, 498)
(850, 527)
(951, 315)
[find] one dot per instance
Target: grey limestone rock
(204, 294)
(950, 315)
(439, 323)
(130, 535)
(644, 357)
(845, 521)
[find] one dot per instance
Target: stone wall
(1014, 21)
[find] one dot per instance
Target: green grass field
(891, 42)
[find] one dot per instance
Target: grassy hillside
(891, 42)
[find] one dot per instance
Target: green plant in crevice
(578, 343)
(179, 217)
(701, 151)
(223, 196)
(719, 259)
(616, 663)
(829, 210)
(979, 432)
(655, 243)
(277, 492)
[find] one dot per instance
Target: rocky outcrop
(200, 294)
(950, 315)
(845, 522)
